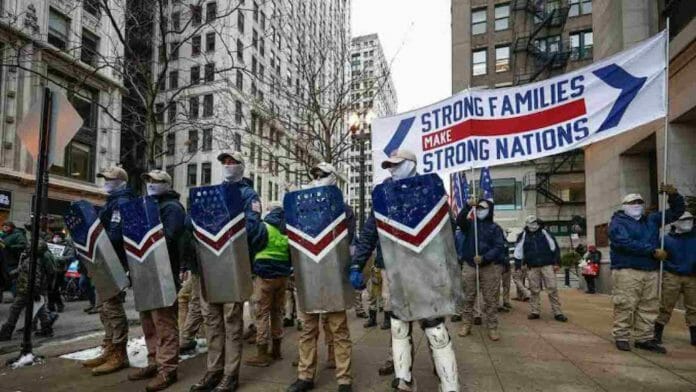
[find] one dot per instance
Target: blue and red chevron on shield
(148, 258)
(217, 214)
(318, 235)
(417, 241)
(95, 250)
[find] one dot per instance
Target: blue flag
(486, 184)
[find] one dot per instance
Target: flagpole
(664, 163)
(476, 245)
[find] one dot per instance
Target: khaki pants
(489, 281)
(162, 338)
(386, 297)
(672, 286)
(224, 324)
(636, 305)
(270, 294)
(191, 321)
(547, 275)
(113, 317)
(518, 277)
(374, 290)
(338, 325)
(290, 299)
(506, 277)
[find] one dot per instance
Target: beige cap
(398, 156)
(324, 167)
(236, 155)
(632, 197)
(157, 175)
(530, 219)
(686, 216)
(274, 204)
(114, 173)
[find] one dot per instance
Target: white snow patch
(137, 352)
(26, 360)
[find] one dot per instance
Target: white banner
(478, 128)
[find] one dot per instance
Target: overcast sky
(415, 36)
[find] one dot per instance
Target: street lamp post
(358, 122)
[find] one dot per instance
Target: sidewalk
(540, 355)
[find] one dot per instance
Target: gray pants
(18, 306)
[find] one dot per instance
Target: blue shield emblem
(318, 235)
(417, 242)
(217, 214)
(95, 249)
(148, 257)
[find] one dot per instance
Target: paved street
(532, 356)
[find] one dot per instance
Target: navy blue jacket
(350, 218)
(491, 240)
(256, 234)
(173, 217)
(632, 242)
(271, 269)
(113, 223)
(537, 252)
(681, 248)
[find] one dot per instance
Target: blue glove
(356, 279)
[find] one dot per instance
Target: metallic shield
(217, 213)
(318, 235)
(95, 250)
(417, 241)
(148, 257)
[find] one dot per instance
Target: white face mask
(157, 188)
(113, 185)
(403, 170)
(233, 173)
(482, 213)
(534, 226)
(635, 211)
(684, 226)
(325, 181)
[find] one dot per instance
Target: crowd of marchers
(485, 264)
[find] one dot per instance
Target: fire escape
(542, 54)
(540, 179)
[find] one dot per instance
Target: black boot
(387, 321)
(651, 345)
(371, 319)
(6, 333)
(659, 329)
(692, 331)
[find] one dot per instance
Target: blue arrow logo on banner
(629, 85)
(399, 135)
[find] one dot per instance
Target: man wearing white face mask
(539, 251)
(680, 275)
(635, 256)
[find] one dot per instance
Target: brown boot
(148, 371)
(262, 359)
(275, 350)
(101, 359)
(117, 360)
(161, 381)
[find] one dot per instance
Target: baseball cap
(274, 204)
(631, 197)
(324, 167)
(157, 175)
(398, 156)
(530, 219)
(236, 155)
(686, 216)
(114, 173)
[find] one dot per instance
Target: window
(171, 143)
(478, 21)
(176, 21)
(252, 153)
(238, 112)
(254, 65)
(58, 27)
(581, 45)
(207, 139)
(240, 21)
(173, 79)
(240, 50)
(262, 46)
(191, 174)
(255, 39)
(195, 74)
(237, 142)
(256, 12)
(479, 62)
(171, 112)
(196, 15)
(193, 108)
(210, 12)
(196, 45)
(193, 141)
(210, 42)
(580, 7)
(551, 44)
(174, 50)
(208, 105)
(270, 191)
(502, 58)
(239, 82)
(159, 112)
(162, 53)
(502, 17)
(92, 6)
(508, 194)
(206, 173)
(210, 72)
(90, 48)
